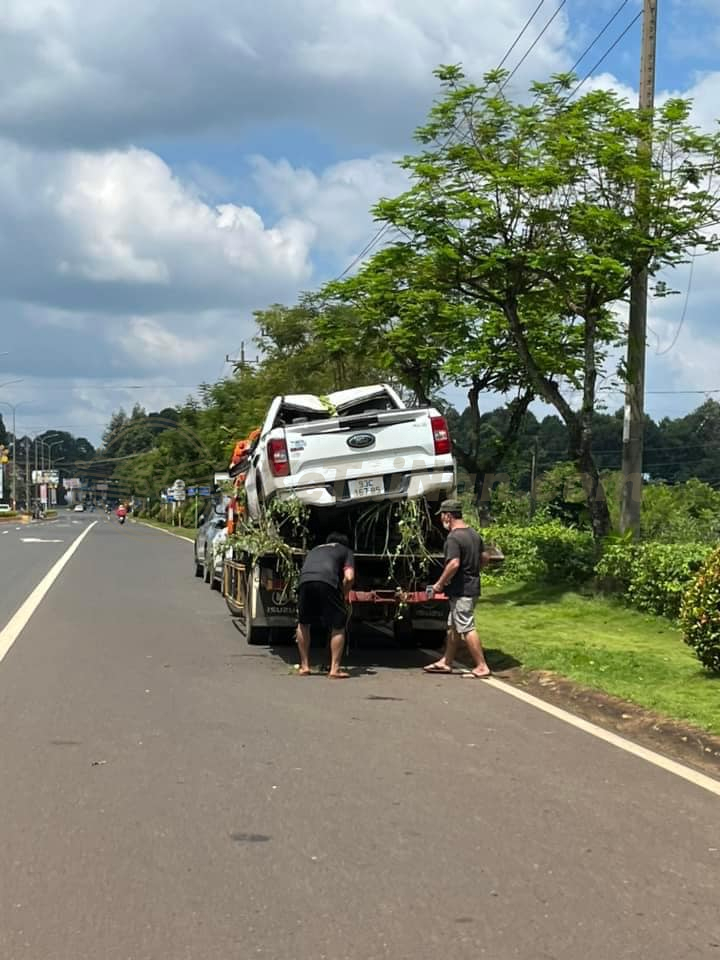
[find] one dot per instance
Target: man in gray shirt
(460, 581)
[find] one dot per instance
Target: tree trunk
(579, 424)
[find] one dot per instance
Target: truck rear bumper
(431, 484)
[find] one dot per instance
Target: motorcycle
(121, 519)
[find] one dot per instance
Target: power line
(519, 37)
(607, 53)
(683, 315)
(532, 46)
(589, 47)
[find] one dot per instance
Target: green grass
(601, 644)
(187, 532)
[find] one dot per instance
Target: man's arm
(348, 573)
(449, 571)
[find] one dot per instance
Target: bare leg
(337, 645)
(445, 663)
(302, 637)
(476, 652)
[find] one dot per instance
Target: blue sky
(168, 168)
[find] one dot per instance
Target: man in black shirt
(460, 581)
(325, 581)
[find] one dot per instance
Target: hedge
(700, 613)
(547, 551)
(651, 576)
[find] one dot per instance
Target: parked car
(212, 524)
(5, 508)
(357, 444)
(79, 508)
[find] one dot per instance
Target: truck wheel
(207, 571)
(198, 568)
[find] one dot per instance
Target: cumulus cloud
(116, 231)
(337, 201)
(112, 267)
(99, 74)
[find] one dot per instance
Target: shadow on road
(367, 652)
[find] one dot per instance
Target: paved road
(169, 794)
(24, 561)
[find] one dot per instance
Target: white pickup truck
(354, 445)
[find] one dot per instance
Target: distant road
(169, 793)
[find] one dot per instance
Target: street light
(13, 407)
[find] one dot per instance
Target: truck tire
(198, 567)
(207, 570)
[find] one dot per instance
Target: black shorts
(322, 605)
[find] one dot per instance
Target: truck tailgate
(362, 445)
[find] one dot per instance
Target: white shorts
(462, 614)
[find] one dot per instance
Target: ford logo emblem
(359, 441)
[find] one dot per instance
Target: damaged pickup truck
(360, 444)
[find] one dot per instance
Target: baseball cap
(450, 506)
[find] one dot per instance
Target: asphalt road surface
(168, 793)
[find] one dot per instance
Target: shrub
(544, 551)
(651, 576)
(700, 613)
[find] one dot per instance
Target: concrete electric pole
(634, 424)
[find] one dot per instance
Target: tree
(530, 208)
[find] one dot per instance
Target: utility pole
(634, 422)
(28, 488)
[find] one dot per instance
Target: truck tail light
(441, 435)
(278, 456)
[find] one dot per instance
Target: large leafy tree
(530, 210)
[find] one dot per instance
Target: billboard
(49, 477)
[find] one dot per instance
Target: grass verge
(185, 532)
(600, 643)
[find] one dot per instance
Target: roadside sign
(192, 491)
(204, 491)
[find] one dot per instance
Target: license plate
(367, 487)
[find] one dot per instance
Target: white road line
(20, 618)
(657, 759)
(160, 530)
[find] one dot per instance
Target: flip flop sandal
(434, 668)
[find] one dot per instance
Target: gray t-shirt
(326, 563)
(465, 545)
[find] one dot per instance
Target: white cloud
(337, 202)
(95, 74)
(116, 230)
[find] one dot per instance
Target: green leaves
(700, 614)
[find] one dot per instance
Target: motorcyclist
(121, 512)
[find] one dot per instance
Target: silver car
(213, 523)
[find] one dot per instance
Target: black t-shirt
(465, 545)
(326, 563)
